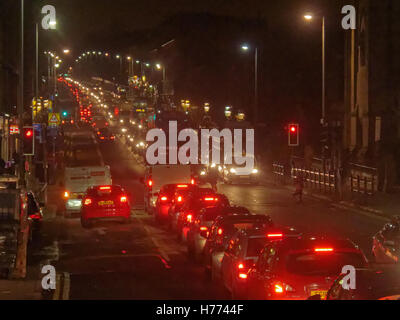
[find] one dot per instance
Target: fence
(316, 179)
(326, 181)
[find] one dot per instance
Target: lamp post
(310, 17)
(255, 106)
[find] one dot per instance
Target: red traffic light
(293, 135)
(28, 133)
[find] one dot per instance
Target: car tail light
(180, 199)
(150, 183)
(220, 231)
(240, 266)
(323, 249)
(278, 288)
(164, 198)
(274, 235)
(105, 188)
(182, 185)
(192, 181)
(102, 138)
(210, 199)
(123, 199)
(203, 228)
(66, 194)
(87, 201)
(112, 137)
(243, 275)
(189, 218)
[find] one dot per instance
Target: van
(78, 180)
(158, 175)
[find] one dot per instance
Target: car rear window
(322, 264)
(255, 245)
(113, 191)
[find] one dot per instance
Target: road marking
(66, 286)
(56, 294)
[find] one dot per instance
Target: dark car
(191, 209)
(297, 268)
(105, 135)
(166, 197)
(381, 284)
(386, 243)
(181, 198)
(221, 233)
(199, 230)
(242, 254)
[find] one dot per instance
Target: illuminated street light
(308, 16)
(66, 51)
(118, 56)
(245, 47)
(137, 61)
(158, 66)
(129, 58)
(206, 107)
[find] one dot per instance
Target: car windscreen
(255, 245)
(322, 264)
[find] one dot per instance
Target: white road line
(66, 286)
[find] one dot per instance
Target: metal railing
(316, 179)
(326, 181)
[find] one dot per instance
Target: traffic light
(28, 141)
(293, 135)
(64, 113)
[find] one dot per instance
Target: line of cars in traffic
(254, 258)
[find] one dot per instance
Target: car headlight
(122, 121)
(203, 173)
(232, 170)
(254, 170)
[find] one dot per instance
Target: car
(199, 230)
(181, 198)
(108, 202)
(370, 284)
(296, 268)
(104, 135)
(191, 209)
(386, 243)
(165, 199)
(157, 176)
(221, 233)
(242, 254)
(231, 175)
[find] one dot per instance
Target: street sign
(54, 119)
(14, 129)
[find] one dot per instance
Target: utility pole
(20, 104)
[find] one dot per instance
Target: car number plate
(106, 203)
(322, 293)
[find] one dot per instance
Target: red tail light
(243, 275)
(123, 199)
(278, 288)
(150, 183)
(274, 235)
(192, 181)
(203, 228)
(189, 218)
(180, 199)
(210, 199)
(182, 185)
(164, 198)
(105, 188)
(220, 231)
(323, 249)
(87, 201)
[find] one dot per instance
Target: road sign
(14, 129)
(54, 119)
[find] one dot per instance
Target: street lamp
(160, 67)
(309, 17)
(245, 47)
(66, 51)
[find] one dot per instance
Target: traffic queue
(247, 253)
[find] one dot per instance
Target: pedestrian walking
(299, 184)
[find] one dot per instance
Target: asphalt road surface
(143, 261)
